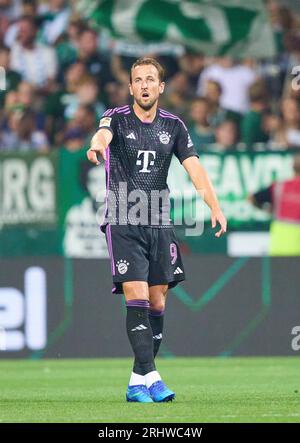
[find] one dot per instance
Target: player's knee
(158, 304)
(136, 290)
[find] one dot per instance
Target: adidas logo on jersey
(131, 135)
(178, 271)
(139, 328)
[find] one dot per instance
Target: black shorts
(141, 253)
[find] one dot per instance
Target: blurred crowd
(61, 75)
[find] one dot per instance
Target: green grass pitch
(207, 390)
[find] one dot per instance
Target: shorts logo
(105, 121)
(164, 137)
(173, 253)
(122, 266)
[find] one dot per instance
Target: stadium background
(243, 115)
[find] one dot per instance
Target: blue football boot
(138, 393)
(160, 392)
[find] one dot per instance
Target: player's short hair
(149, 61)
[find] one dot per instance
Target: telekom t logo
(146, 160)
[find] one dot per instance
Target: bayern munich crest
(164, 137)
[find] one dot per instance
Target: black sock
(156, 319)
(139, 332)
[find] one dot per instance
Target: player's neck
(145, 116)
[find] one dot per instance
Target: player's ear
(161, 87)
(130, 88)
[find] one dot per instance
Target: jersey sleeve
(108, 121)
(184, 146)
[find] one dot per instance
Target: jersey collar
(140, 121)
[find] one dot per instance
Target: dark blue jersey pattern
(137, 165)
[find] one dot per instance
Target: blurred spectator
(85, 109)
(74, 30)
(192, 64)
(287, 134)
(234, 79)
(12, 78)
(213, 93)
(54, 18)
(4, 25)
(24, 100)
(86, 121)
(169, 63)
(35, 62)
(88, 94)
(10, 9)
(177, 95)
(282, 20)
(29, 9)
(26, 95)
(271, 123)
(117, 94)
(73, 80)
(22, 134)
(61, 105)
(252, 130)
(88, 54)
(28, 100)
(73, 139)
(67, 45)
(292, 91)
(200, 131)
(283, 200)
(226, 136)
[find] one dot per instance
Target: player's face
(146, 86)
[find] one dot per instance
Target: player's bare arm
(99, 143)
(203, 185)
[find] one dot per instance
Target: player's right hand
(94, 151)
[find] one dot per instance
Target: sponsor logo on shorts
(178, 271)
(122, 266)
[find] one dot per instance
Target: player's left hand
(218, 216)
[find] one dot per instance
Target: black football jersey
(138, 160)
